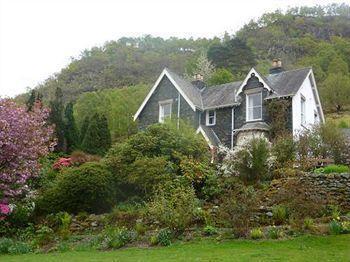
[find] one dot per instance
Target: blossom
(24, 138)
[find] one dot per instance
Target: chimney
(198, 81)
(276, 66)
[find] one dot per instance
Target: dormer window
(254, 107)
(165, 110)
(210, 118)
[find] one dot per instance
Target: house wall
(166, 90)
(310, 107)
(222, 128)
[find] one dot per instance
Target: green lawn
(306, 248)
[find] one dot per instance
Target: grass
(305, 248)
(340, 120)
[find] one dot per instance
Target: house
(228, 114)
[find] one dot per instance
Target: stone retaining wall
(333, 188)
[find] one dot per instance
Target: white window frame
(207, 118)
(247, 107)
(302, 110)
(161, 109)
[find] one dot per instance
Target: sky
(39, 37)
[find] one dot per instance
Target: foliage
(8, 246)
(64, 229)
(335, 227)
(116, 237)
(250, 161)
(158, 154)
(71, 131)
(323, 141)
(297, 198)
(173, 206)
(56, 119)
(279, 214)
(62, 162)
(97, 139)
(284, 151)
(203, 67)
(237, 207)
(125, 215)
(25, 137)
(164, 237)
(309, 223)
(256, 233)
(43, 235)
(209, 230)
(234, 54)
(88, 187)
(332, 169)
(273, 232)
(278, 111)
(221, 76)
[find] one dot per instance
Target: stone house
(228, 114)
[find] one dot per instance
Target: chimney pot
(276, 66)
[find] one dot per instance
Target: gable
(166, 74)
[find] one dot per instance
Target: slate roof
(193, 93)
(286, 83)
(254, 126)
(213, 138)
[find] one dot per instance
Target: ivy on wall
(278, 110)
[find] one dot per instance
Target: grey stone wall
(332, 188)
(165, 91)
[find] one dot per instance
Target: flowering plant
(62, 162)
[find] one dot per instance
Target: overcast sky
(38, 37)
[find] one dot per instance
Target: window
(302, 109)
(164, 111)
(254, 107)
(210, 119)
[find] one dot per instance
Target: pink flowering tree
(24, 138)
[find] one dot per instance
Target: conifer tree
(83, 129)
(71, 131)
(56, 118)
(105, 135)
(31, 101)
(91, 142)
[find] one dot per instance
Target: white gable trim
(240, 89)
(200, 130)
(164, 73)
(317, 97)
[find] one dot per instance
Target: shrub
(8, 246)
(210, 230)
(173, 206)
(335, 227)
(140, 228)
(5, 244)
(284, 151)
(151, 157)
(125, 215)
(64, 230)
(153, 240)
(237, 207)
(309, 224)
(332, 169)
(273, 232)
(88, 187)
(116, 237)
(43, 235)
(79, 157)
(279, 214)
(164, 237)
(251, 161)
(256, 233)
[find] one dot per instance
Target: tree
(335, 91)
(221, 76)
(25, 137)
(31, 100)
(234, 55)
(97, 139)
(84, 128)
(202, 66)
(71, 131)
(56, 118)
(104, 134)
